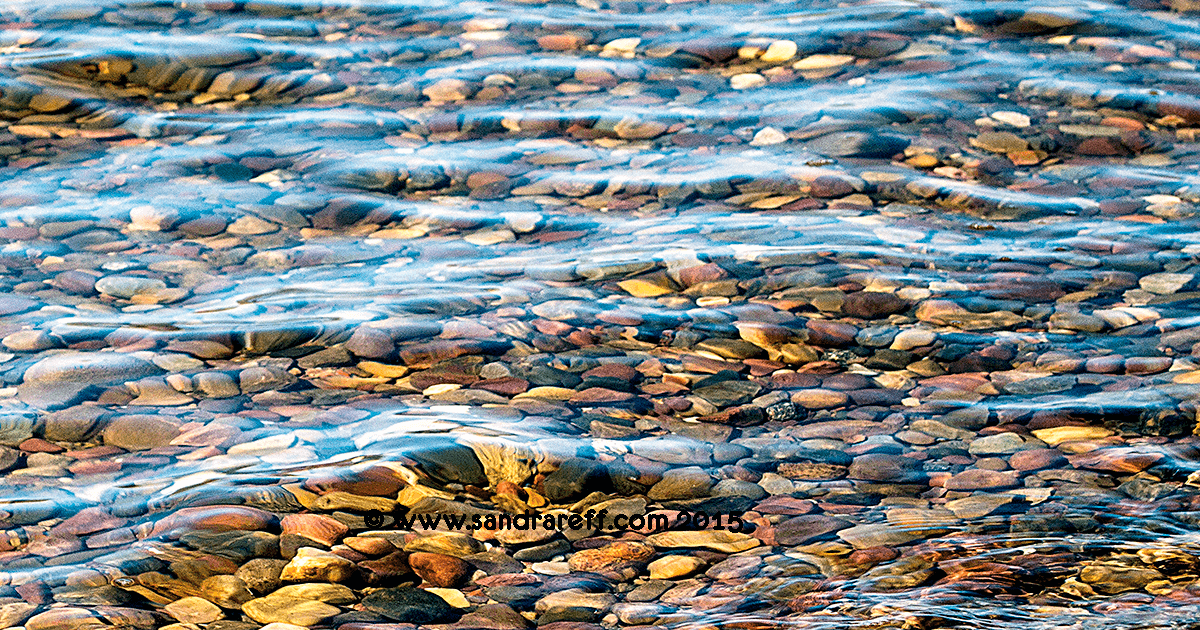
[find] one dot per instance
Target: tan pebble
(672, 567)
(1057, 435)
(312, 564)
(194, 610)
(747, 81)
(780, 50)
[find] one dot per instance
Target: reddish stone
(596, 395)
(785, 505)
(1119, 460)
(35, 592)
(873, 305)
(1109, 364)
(389, 568)
(429, 378)
(801, 529)
(87, 521)
(744, 416)
(78, 282)
(550, 327)
(790, 380)
(873, 555)
(981, 479)
(376, 481)
(93, 467)
(762, 367)
(710, 272)
(582, 338)
(439, 569)
(827, 187)
(560, 41)
(831, 334)
(509, 386)
(845, 381)
(219, 518)
(1036, 459)
(611, 556)
(1147, 365)
(323, 529)
(38, 445)
(613, 370)
(704, 365)
(369, 545)
(1101, 146)
(508, 579)
(216, 435)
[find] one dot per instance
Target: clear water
(531, 190)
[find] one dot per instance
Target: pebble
(716, 540)
(230, 341)
(311, 564)
(408, 605)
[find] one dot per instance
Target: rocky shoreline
(916, 302)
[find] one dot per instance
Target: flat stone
(15, 427)
(323, 529)
(998, 444)
(125, 287)
(981, 479)
(879, 535)
(886, 468)
(573, 605)
(410, 605)
(138, 432)
(262, 575)
(440, 570)
(716, 540)
(820, 398)
(294, 610)
(611, 555)
(1165, 283)
(449, 543)
(91, 368)
(1057, 435)
(314, 565)
(1000, 142)
(672, 567)
(801, 529)
(859, 144)
(574, 478)
(194, 610)
(328, 593)
(225, 591)
(682, 483)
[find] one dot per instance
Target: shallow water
(910, 287)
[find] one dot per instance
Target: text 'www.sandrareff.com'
(591, 519)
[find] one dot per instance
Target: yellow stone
(638, 287)
(672, 567)
(781, 50)
(717, 540)
(452, 596)
(1188, 378)
(375, 368)
(818, 62)
(440, 388)
(399, 233)
(1057, 435)
(301, 612)
(547, 392)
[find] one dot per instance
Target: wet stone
(408, 605)
(574, 478)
